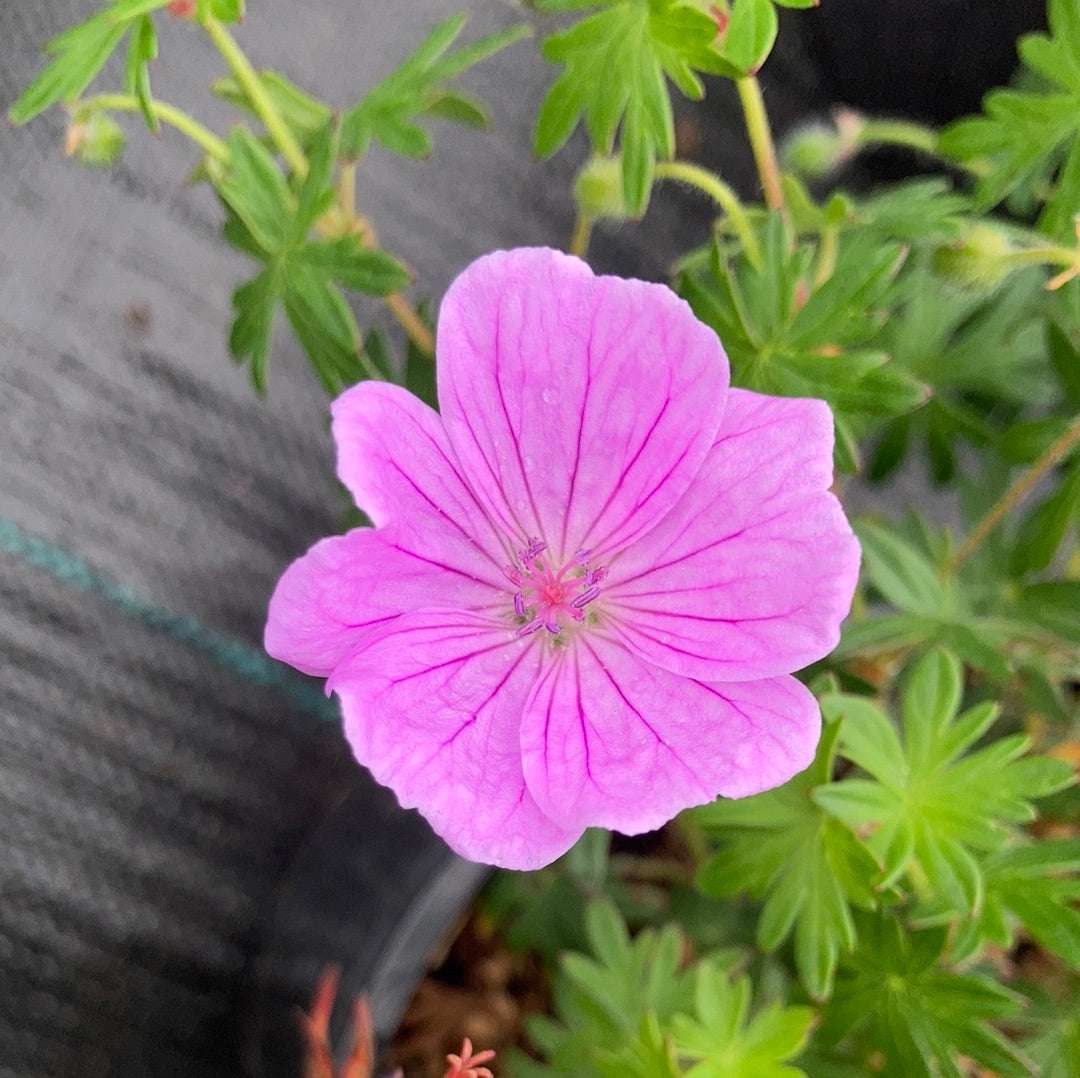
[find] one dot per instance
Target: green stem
(711, 184)
(1050, 255)
(251, 84)
(579, 240)
(913, 137)
(898, 133)
(761, 140)
(1017, 493)
(169, 114)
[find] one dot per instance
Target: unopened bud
(598, 189)
(96, 140)
(182, 9)
(814, 150)
(979, 259)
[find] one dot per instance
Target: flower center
(549, 598)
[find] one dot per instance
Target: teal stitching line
(230, 654)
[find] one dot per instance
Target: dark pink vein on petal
(626, 471)
(648, 725)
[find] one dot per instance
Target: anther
(585, 597)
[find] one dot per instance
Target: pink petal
(394, 458)
(608, 740)
(580, 407)
(345, 587)
(752, 573)
(433, 708)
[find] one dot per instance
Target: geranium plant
(604, 579)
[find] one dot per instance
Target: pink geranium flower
(589, 578)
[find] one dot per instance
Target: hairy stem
(761, 140)
(1016, 494)
(251, 84)
(711, 184)
(202, 136)
(579, 240)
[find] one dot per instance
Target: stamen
(535, 548)
(543, 592)
(585, 597)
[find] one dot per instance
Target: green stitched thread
(232, 655)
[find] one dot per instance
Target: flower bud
(598, 189)
(96, 140)
(814, 150)
(979, 259)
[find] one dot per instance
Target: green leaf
(603, 998)
(1023, 134)
(1044, 528)
(899, 571)
(227, 10)
(417, 88)
(254, 304)
(1055, 606)
(126, 10)
(651, 1054)
(1053, 1042)
(915, 1017)
(323, 324)
(1032, 884)
(587, 860)
(778, 846)
(256, 191)
(615, 63)
(459, 109)
(1065, 356)
(302, 113)
(722, 1039)
(750, 35)
(929, 802)
(81, 53)
(142, 48)
(359, 268)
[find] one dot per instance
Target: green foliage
(387, 114)
(919, 1018)
(304, 115)
(616, 62)
(632, 1007)
(80, 52)
(1032, 884)
(809, 869)
(1025, 133)
(271, 224)
(1054, 1024)
(786, 336)
(929, 804)
(721, 1040)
